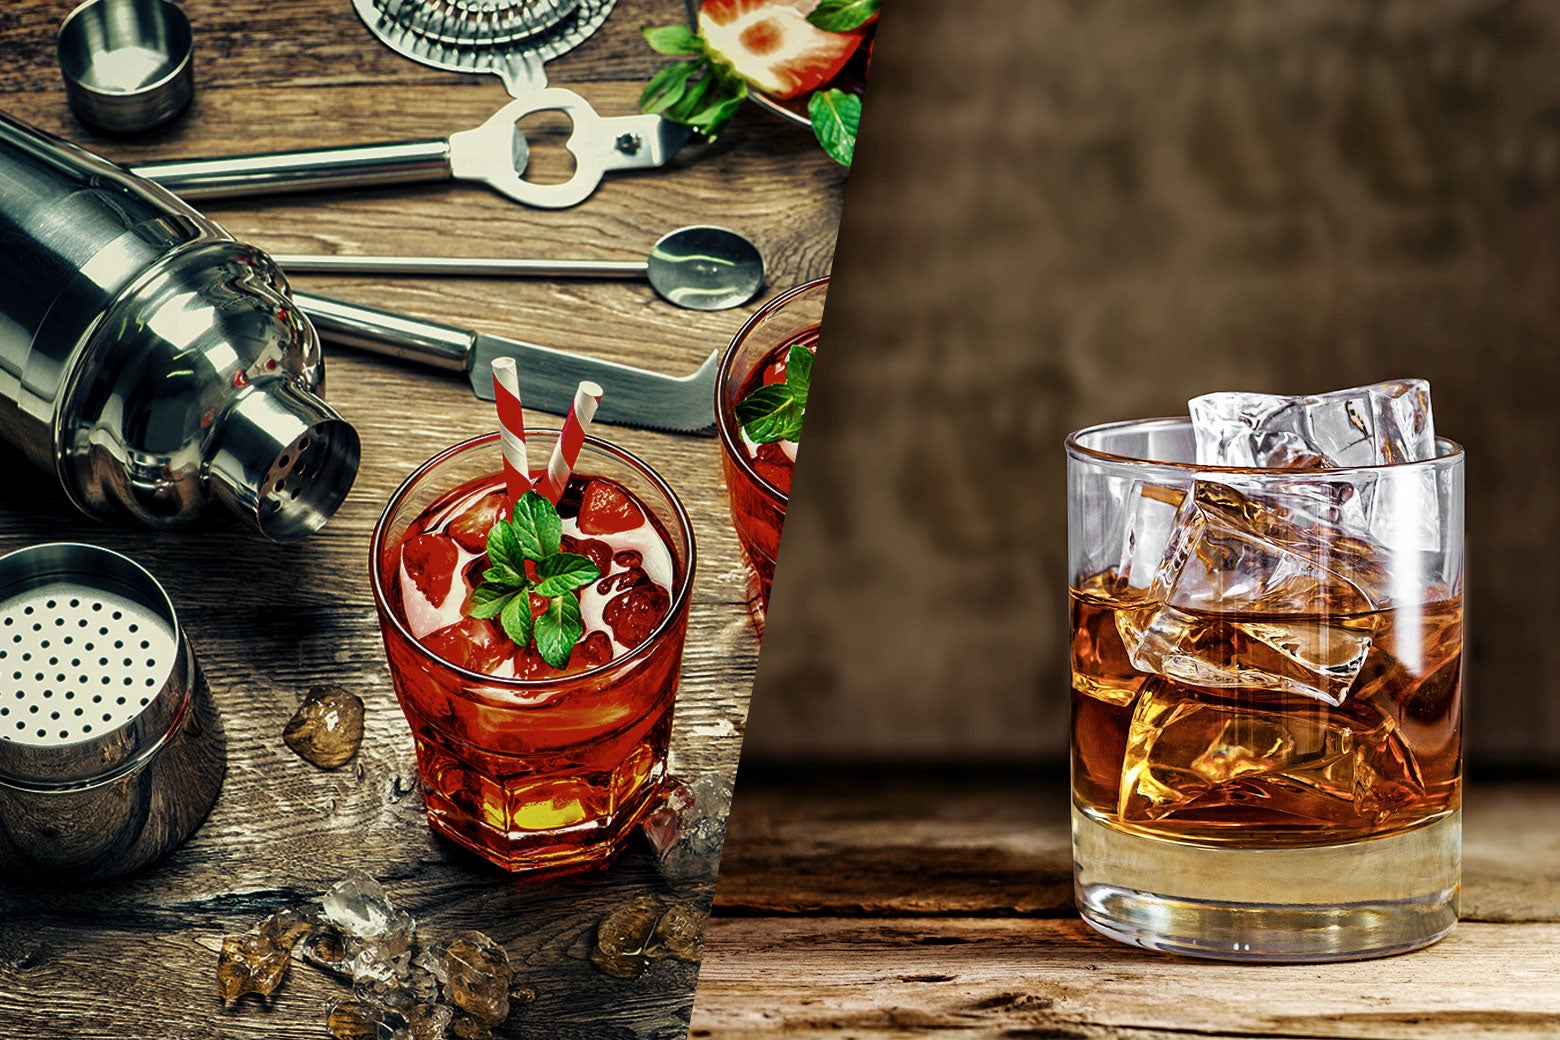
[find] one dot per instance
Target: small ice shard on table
(377, 938)
(366, 1020)
(1381, 424)
(622, 936)
(327, 728)
(644, 930)
(256, 961)
(688, 828)
(476, 977)
(679, 934)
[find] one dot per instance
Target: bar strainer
(111, 750)
(509, 38)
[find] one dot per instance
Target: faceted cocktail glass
(537, 774)
(1267, 695)
(757, 505)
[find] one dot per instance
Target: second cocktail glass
(547, 772)
(758, 476)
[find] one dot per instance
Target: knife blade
(548, 377)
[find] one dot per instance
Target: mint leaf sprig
(844, 15)
(774, 412)
(534, 533)
(836, 117)
(702, 92)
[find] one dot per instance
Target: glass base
(1324, 903)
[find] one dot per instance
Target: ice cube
(1233, 552)
(623, 935)
(605, 508)
(1244, 598)
(470, 529)
(634, 614)
(327, 727)
(688, 828)
(377, 938)
(678, 934)
(1189, 752)
(359, 906)
(1149, 522)
(1380, 424)
(476, 975)
(256, 961)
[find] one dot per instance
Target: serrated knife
(548, 377)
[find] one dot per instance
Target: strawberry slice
(773, 46)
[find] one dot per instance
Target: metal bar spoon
(702, 268)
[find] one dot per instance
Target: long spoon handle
(440, 265)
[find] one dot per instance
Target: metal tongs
(494, 153)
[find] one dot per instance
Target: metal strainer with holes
(111, 751)
(511, 39)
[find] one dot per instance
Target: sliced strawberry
(773, 46)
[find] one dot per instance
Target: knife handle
(385, 332)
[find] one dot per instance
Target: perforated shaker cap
(94, 671)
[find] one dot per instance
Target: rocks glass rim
(725, 416)
(679, 599)
(1449, 452)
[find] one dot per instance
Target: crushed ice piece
(1381, 424)
(476, 976)
(359, 907)
(326, 947)
(256, 961)
(622, 936)
(1244, 598)
(327, 728)
(643, 930)
(401, 989)
(377, 936)
(249, 963)
(679, 934)
(688, 828)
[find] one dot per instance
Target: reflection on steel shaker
(153, 363)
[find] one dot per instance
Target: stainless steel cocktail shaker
(153, 363)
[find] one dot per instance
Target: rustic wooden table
(892, 904)
(134, 957)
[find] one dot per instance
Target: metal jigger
(153, 363)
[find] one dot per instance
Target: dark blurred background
(1064, 213)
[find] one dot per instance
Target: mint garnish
(534, 533)
(836, 116)
(843, 15)
(774, 412)
(702, 92)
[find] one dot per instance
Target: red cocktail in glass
(528, 765)
(758, 476)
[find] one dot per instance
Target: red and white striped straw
(567, 451)
(511, 426)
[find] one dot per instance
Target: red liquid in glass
(557, 768)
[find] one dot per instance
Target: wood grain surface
(1064, 214)
(894, 904)
(134, 957)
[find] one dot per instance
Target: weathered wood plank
(935, 842)
(910, 977)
